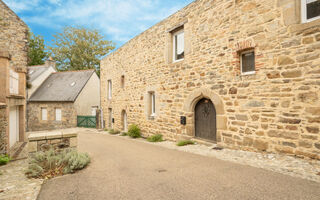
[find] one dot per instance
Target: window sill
(304, 25)
(248, 73)
(152, 117)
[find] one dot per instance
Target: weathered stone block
(289, 120)
(292, 74)
(305, 144)
(32, 146)
(242, 117)
(73, 142)
(254, 104)
(273, 74)
(285, 60)
(312, 129)
(308, 97)
(260, 145)
(313, 110)
(290, 144)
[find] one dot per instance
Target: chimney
(50, 62)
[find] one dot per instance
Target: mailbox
(183, 120)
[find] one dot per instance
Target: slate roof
(36, 71)
(62, 86)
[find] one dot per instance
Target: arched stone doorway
(124, 121)
(205, 120)
(189, 110)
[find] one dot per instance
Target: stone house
(37, 74)
(244, 74)
(13, 62)
(61, 98)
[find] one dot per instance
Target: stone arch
(124, 120)
(191, 102)
(201, 93)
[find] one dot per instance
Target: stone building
(13, 62)
(242, 73)
(61, 98)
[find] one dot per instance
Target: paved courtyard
(123, 168)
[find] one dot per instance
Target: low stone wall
(43, 141)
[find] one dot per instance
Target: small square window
(44, 114)
(310, 10)
(247, 62)
(178, 45)
(58, 114)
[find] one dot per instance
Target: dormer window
(178, 45)
(310, 10)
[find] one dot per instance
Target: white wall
(89, 96)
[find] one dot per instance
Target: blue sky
(117, 20)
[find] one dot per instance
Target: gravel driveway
(123, 168)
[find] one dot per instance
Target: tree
(36, 52)
(78, 48)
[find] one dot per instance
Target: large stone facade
(275, 110)
(13, 59)
(68, 116)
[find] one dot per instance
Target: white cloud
(118, 20)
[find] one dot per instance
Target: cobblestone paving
(15, 185)
(289, 165)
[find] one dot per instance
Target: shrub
(4, 159)
(114, 132)
(134, 131)
(155, 138)
(54, 163)
(106, 129)
(185, 142)
(124, 134)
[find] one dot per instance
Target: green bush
(114, 132)
(185, 142)
(54, 163)
(124, 134)
(106, 129)
(4, 159)
(155, 138)
(134, 131)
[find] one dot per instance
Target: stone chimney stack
(50, 62)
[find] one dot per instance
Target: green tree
(78, 48)
(36, 52)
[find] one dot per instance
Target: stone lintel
(5, 54)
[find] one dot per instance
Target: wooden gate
(205, 120)
(86, 121)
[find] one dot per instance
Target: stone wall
(13, 37)
(69, 116)
(3, 128)
(275, 110)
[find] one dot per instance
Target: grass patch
(124, 134)
(114, 132)
(155, 138)
(134, 131)
(4, 159)
(55, 163)
(185, 142)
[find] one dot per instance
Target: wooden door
(13, 125)
(205, 120)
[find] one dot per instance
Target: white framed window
(94, 110)
(14, 82)
(310, 10)
(109, 89)
(152, 103)
(178, 45)
(44, 114)
(58, 114)
(247, 62)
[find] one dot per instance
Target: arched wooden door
(205, 120)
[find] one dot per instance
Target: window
(14, 82)
(247, 62)
(310, 10)
(94, 110)
(109, 89)
(122, 81)
(44, 114)
(152, 103)
(58, 114)
(178, 45)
